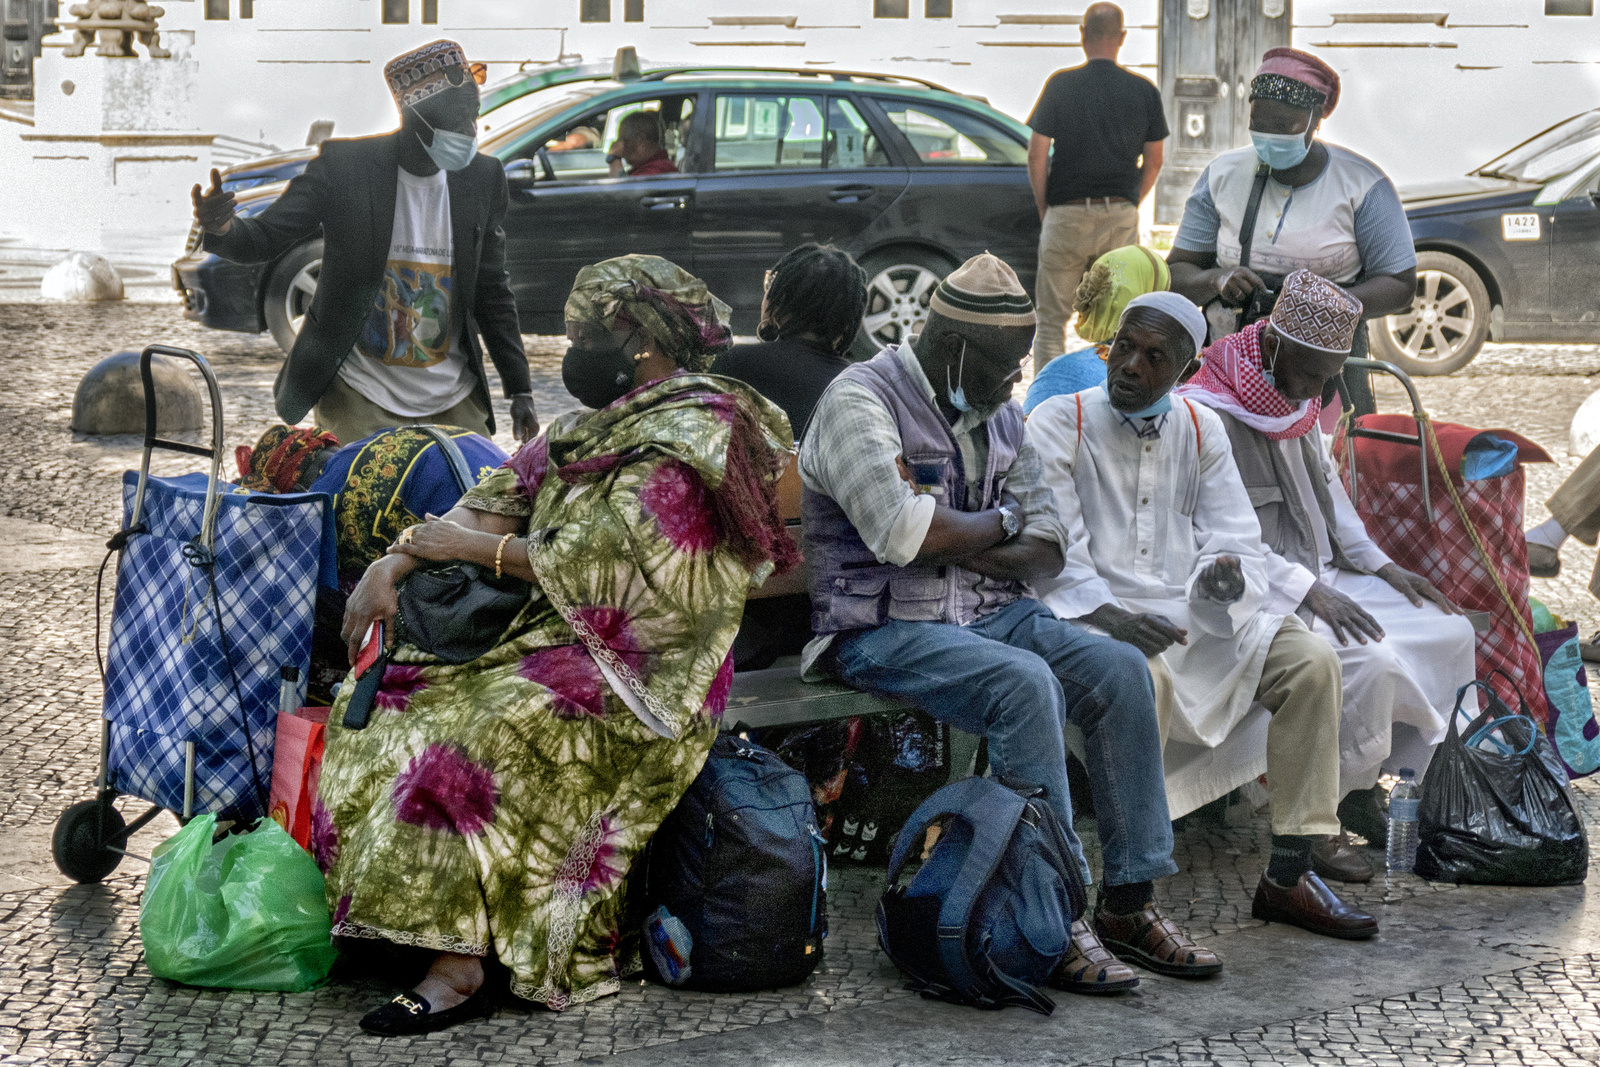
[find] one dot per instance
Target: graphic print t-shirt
(406, 359)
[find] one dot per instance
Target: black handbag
(1223, 318)
(457, 611)
(1505, 816)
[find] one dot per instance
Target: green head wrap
(1116, 278)
(659, 297)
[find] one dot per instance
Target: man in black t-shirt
(1109, 125)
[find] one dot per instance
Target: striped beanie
(986, 292)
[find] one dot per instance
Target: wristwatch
(1010, 521)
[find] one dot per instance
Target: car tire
(900, 282)
(1447, 324)
(289, 290)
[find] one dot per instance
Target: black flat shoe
(1361, 812)
(408, 1014)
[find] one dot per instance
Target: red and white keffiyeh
(1231, 381)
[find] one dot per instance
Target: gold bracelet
(500, 551)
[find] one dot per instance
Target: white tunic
(1144, 517)
(1407, 680)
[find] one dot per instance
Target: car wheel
(900, 282)
(1447, 324)
(289, 291)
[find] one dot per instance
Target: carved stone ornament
(117, 22)
(1199, 9)
(1273, 9)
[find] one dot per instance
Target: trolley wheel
(79, 850)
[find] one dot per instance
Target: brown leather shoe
(1311, 905)
(1090, 968)
(1154, 942)
(1335, 857)
(1543, 561)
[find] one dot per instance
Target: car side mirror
(522, 172)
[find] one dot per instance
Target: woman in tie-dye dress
(494, 806)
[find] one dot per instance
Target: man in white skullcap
(1164, 553)
(1404, 649)
(925, 516)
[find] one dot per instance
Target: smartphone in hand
(369, 667)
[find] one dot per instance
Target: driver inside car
(640, 135)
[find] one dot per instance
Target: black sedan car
(1510, 253)
(909, 177)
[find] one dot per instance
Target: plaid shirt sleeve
(1025, 483)
(848, 454)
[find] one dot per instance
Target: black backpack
(988, 917)
(741, 868)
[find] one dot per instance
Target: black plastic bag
(1504, 816)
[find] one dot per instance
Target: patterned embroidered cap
(427, 71)
(1298, 79)
(984, 290)
(1316, 313)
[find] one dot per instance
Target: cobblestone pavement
(1472, 975)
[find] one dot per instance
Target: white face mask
(958, 395)
(449, 151)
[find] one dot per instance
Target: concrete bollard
(110, 399)
(82, 277)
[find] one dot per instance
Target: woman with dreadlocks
(815, 297)
(494, 806)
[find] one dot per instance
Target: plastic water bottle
(1403, 801)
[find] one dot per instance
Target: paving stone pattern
(73, 988)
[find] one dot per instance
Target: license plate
(1520, 227)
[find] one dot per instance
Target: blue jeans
(1017, 677)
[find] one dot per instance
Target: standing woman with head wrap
(494, 806)
(1323, 208)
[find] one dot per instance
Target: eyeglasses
(479, 72)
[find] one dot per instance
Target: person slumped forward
(413, 267)
(1403, 648)
(925, 513)
(1164, 553)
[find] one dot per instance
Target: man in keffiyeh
(1403, 648)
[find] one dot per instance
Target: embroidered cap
(984, 290)
(1316, 313)
(428, 71)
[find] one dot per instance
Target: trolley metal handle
(1420, 440)
(208, 519)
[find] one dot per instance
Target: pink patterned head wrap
(1231, 381)
(1295, 66)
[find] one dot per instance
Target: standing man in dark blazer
(413, 268)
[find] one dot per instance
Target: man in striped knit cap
(926, 515)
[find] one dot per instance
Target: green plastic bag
(249, 912)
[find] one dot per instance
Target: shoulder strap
(1252, 208)
(452, 455)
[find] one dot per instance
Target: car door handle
(850, 194)
(664, 203)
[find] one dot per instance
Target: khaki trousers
(349, 416)
(1300, 685)
(1576, 506)
(1072, 238)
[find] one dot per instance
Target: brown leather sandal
(1154, 942)
(1090, 968)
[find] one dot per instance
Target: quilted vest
(850, 589)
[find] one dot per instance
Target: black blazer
(348, 191)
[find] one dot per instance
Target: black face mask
(596, 376)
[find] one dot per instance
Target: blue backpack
(989, 915)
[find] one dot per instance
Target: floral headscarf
(275, 464)
(658, 296)
(1116, 278)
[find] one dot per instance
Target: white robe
(1398, 692)
(1144, 517)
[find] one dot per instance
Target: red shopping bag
(296, 765)
(1389, 499)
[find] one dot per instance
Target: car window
(578, 150)
(942, 135)
(758, 131)
(1548, 155)
(850, 142)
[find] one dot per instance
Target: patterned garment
(666, 301)
(498, 804)
(1231, 380)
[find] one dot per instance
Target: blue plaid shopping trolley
(215, 597)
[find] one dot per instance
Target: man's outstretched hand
(1150, 634)
(1223, 581)
(214, 207)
